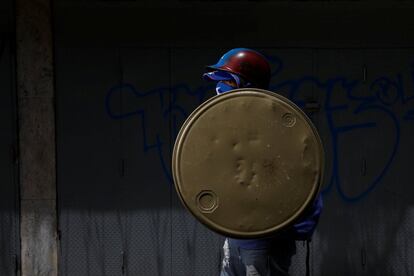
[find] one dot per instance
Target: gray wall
(9, 222)
(127, 75)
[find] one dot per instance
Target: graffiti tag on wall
(387, 97)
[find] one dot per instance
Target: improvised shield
(247, 163)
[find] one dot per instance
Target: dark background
(128, 73)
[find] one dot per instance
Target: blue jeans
(272, 261)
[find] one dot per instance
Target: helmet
(252, 66)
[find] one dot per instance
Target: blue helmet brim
(217, 76)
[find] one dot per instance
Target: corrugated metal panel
(119, 111)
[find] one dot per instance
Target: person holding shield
(267, 256)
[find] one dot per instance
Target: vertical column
(36, 116)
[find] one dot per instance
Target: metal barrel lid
(248, 163)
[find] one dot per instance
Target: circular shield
(247, 163)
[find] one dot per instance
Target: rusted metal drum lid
(247, 163)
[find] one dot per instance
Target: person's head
(238, 68)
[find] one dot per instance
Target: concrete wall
(36, 133)
(128, 74)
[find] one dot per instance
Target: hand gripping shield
(248, 163)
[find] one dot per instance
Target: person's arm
(305, 227)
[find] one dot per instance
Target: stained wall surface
(124, 89)
(9, 217)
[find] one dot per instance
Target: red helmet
(252, 66)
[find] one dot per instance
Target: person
(242, 68)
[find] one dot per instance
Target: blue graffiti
(386, 92)
(174, 104)
(168, 100)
